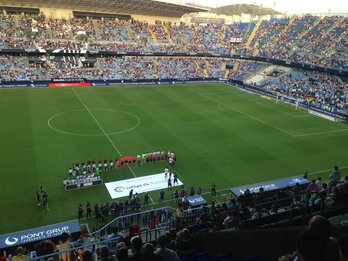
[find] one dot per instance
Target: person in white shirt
(166, 171)
(319, 184)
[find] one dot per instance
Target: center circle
(93, 122)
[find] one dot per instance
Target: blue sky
(288, 6)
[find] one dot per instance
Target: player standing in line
(70, 173)
(77, 169)
(105, 165)
(117, 164)
(171, 162)
(138, 160)
(84, 167)
(100, 166)
(93, 166)
(111, 165)
(89, 167)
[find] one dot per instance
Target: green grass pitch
(219, 134)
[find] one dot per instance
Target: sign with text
(269, 185)
(38, 234)
(196, 201)
(119, 189)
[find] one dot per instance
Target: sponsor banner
(38, 234)
(63, 80)
(69, 84)
(327, 117)
(118, 189)
(83, 185)
(269, 185)
(196, 201)
(266, 97)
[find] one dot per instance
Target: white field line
(104, 132)
(281, 111)
(249, 116)
(101, 128)
(319, 133)
(271, 125)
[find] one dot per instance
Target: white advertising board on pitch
(121, 188)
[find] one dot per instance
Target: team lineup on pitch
(202, 123)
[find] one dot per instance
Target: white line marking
(92, 135)
(101, 128)
(319, 133)
(251, 117)
(281, 111)
(105, 134)
(266, 123)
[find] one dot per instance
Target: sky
(284, 6)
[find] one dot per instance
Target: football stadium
(161, 130)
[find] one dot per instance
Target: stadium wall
(268, 243)
(153, 19)
(57, 13)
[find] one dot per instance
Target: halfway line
(102, 129)
(104, 132)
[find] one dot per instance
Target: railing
(149, 222)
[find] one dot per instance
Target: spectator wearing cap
(164, 252)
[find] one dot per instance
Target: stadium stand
(251, 216)
(114, 49)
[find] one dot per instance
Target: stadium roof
(140, 7)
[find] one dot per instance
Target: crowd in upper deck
(310, 39)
